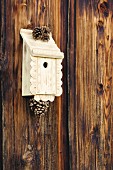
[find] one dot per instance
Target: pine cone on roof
(37, 33)
(45, 33)
(41, 33)
(40, 107)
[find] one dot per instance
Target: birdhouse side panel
(26, 71)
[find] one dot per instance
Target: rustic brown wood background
(77, 131)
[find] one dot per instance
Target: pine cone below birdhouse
(40, 107)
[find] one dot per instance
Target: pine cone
(39, 107)
(41, 33)
(37, 33)
(45, 33)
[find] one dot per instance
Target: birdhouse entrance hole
(45, 64)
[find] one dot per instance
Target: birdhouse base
(44, 98)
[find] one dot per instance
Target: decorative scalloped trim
(35, 79)
(59, 77)
(44, 97)
(38, 76)
(33, 73)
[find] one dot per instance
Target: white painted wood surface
(41, 68)
(26, 71)
(41, 48)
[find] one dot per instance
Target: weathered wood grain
(87, 95)
(1, 158)
(26, 145)
(90, 116)
(63, 102)
(72, 83)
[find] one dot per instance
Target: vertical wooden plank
(7, 86)
(63, 102)
(72, 82)
(90, 113)
(26, 145)
(1, 158)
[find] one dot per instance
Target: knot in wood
(100, 26)
(43, 8)
(100, 89)
(104, 8)
(95, 132)
(28, 156)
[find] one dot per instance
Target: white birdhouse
(41, 68)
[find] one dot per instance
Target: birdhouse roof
(41, 48)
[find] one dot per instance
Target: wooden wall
(23, 146)
(91, 85)
(77, 131)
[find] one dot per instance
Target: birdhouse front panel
(41, 68)
(43, 76)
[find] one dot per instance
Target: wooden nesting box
(41, 68)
